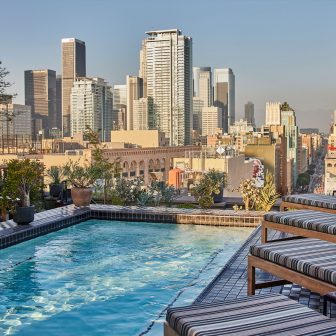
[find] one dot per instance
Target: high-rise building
(40, 95)
(91, 106)
(249, 113)
(224, 95)
(140, 114)
(119, 117)
(134, 92)
(273, 114)
(288, 119)
(166, 68)
(58, 103)
(73, 66)
(198, 105)
(16, 120)
(211, 120)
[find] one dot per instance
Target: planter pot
(24, 215)
(50, 203)
(218, 198)
(55, 190)
(81, 196)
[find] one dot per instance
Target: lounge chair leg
(263, 234)
(325, 302)
(250, 279)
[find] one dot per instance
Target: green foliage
(128, 190)
(4, 98)
(81, 176)
(108, 170)
(209, 185)
(145, 198)
(303, 179)
(55, 174)
(24, 180)
(162, 193)
(185, 206)
(267, 195)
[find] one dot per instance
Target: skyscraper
(40, 94)
(288, 119)
(166, 68)
(134, 92)
(73, 65)
(91, 106)
(59, 102)
(273, 114)
(119, 117)
(249, 113)
(202, 83)
(224, 95)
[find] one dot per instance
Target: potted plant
(82, 179)
(24, 182)
(55, 175)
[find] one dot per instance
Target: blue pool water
(108, 277)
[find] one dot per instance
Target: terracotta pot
(81, 196)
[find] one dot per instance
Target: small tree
(128, 190)
(249, 193)
(81, 176)
(108, 170)
(210, 184)
(162, 193)
(24, 180)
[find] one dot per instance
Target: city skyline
(267, 44)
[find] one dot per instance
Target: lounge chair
(307, 262)
(317, 202)
(267, 314)
(304, 223)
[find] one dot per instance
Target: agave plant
(267, 195)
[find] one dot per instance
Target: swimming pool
(108, 277)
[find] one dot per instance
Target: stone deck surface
(231, 281)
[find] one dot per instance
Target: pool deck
(231, 281)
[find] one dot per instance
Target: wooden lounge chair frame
(289, 276)
(297, 206)
(297, 232)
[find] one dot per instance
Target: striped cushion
(267, 314)
(323, 201)
(313, 257)
(305, 219)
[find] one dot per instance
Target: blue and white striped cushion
(317, 200)
(267, 314)
(312, 257)
(305, 219)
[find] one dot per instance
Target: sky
(279, 50)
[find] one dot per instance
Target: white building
(91, 106)
(240, 127)
(211, 120)
(273, 113)
(224, 95)
(140, 114)
(166, 69)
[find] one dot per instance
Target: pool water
(108, 277)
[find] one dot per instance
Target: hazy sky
(278, 50)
